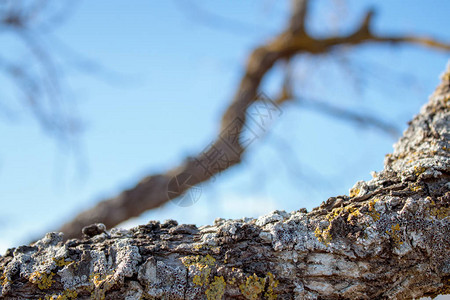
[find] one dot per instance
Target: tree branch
(298, 18)
(361, 119)
(152, 191)
(390, 239)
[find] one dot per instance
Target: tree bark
(389, 239)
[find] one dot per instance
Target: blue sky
(174, 73)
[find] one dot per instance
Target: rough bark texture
(389, 239)
(152, 191)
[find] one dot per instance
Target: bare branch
(389, 240)
(39, 81)
(199, 15)
(348, 115)
(298, 18)
(152, 191)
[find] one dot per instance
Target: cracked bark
(389, 239)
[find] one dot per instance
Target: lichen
(354, 192)
(372, 212)
(101, 284)
(324, 236)
(232, 280)
(270, 294)
(3, 279)
(216, 289)
(42, 280)
(415, 187)
(252, 287)
(438, 212)
(394, 234)
(203, 265)
(61, 262)
(66, 295)
(353, 212)
(419, 170)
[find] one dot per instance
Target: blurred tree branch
(389, 240)
(39, 73)
(152, 191)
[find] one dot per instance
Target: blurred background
(95, 95)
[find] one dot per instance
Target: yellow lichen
(353, 212)
(324, 236)
(252, 287)
(394, 234)
(232, 280)
(61, 262)
(419, 170)
(439, 212)
(415, 188)
(272, 284)
(354, 192)
(372, 212)
(334, 213)
(203, 265)
(66, 295)
(216, 289)
(42, 280)
(198, 261)
(101, 284)
(3, 279)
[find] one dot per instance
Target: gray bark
(389, 239)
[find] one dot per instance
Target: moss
(42, 280)
(216, 289)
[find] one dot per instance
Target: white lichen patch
(275, 216)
